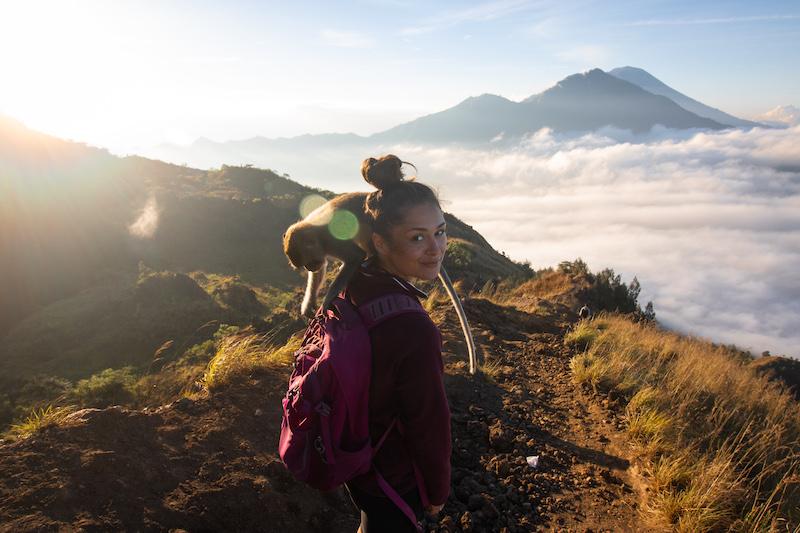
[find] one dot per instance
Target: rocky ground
(210, 464)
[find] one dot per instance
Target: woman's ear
(380, 244)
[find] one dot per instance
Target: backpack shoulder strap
(387, 306)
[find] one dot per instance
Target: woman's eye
(441, 232)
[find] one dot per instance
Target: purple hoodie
(407, 378)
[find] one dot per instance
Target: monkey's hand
(327, 303)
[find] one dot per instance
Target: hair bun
(382, 173)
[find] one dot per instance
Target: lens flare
(343, 225)
(310, 203)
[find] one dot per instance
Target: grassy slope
(718, 440)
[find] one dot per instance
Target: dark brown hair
(387, 206)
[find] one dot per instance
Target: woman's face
(418, 244)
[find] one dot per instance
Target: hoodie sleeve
(425, 413)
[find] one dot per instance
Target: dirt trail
(209, 464)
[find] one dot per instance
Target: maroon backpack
(325, 437)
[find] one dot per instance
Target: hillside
(73, 218)
(113, 267)
(209, 463)
(92, 306)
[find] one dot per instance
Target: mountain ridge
(580, 102)
(650, 83)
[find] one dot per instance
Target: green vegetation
(38, 420)
(92, 314)
(721, 443)
(139, 343)
(459, 256)
(472, 259)
(109, 387)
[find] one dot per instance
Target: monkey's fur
(309, 243)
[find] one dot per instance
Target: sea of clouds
(709, 222)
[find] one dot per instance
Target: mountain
(581, 102)
(596, 99)
(476, 119)
(651, 84)
(578, 103)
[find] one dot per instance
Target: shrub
(458, 257)
(109, 387)
(9, 411)
(573, 267)
(615, 295)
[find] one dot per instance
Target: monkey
(309, 243)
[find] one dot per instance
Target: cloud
(722, 20)
(146, 224)
(709, 222)
(783, 114)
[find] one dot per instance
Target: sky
(130, 74)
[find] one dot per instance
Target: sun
(71, 69)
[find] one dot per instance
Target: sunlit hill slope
(108, 261)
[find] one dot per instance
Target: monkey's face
(304, 248)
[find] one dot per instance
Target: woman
(409, 240)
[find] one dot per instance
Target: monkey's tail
(462, 317)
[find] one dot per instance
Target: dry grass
(551, 284)
(240, 355)
(39, 420)
(721, 443)
(490, 370)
